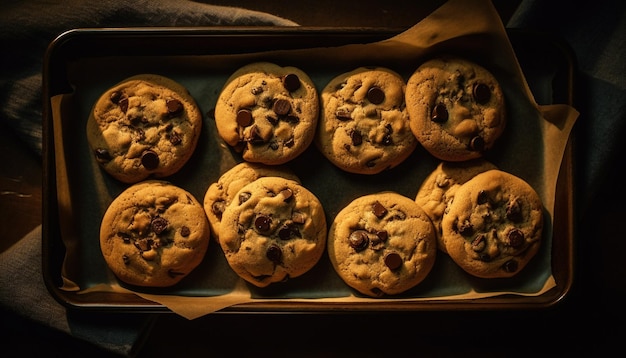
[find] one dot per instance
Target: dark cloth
(28, 310)
(596, 33)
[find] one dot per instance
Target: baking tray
(546, 62)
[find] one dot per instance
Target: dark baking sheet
(546, 62)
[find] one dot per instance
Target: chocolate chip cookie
(267, 112)
(154, 234)
(145, 126)
(272, 231)
(382, 244)
(364, 125)
(457, 108)
(494, 225)
(220, 193)
(438, 189)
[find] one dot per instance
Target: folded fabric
(26, 302)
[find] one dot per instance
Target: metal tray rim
(55, 53)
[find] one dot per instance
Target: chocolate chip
(126, 259)
(440, 113)
(124, 237)
(281, 107)
(288, 231)
(514, 210)
(358, 240)
(102, 155)
(287, 193)
(273, 120)
(479, 243)
(387, 139)
(174, 106)
(482, 93)
(274, 253)
(256, 90)
(377, 242)
(274, 145)
(510, 266)
(149, 159)
(477, 144)
(123, 103)
(255, 136)
(218, 208)
(115, 96)
(158, 225)
(516, 237)
(292, 119)
(262, 223)
(284, 233)
(290, 142)
(185, 231)
(379, 210)
(371, 163)
(376, 95)
(466, 228)
(243, 197)
(175, 138)
(382, 235)
(393, 260)
(244, 117)
(136, 119)
(342, 114)
(356, 137)
(142, 244)
(291, 82)
(482, 198)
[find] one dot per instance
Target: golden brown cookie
(268, 112)
(145, 126)
(154, 234)
(272, 231)
(494, 225)
(364, 125)
(457, 108)
(382, 244)
(438, 189)
(220, 193)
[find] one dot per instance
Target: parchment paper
(532, 148)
